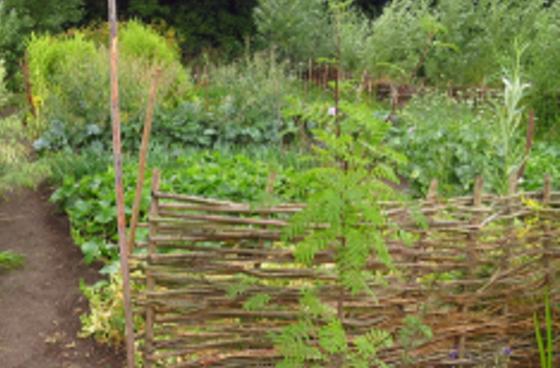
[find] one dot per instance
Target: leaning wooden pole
(142, 160)
(119, 191)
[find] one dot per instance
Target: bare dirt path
(40, 303)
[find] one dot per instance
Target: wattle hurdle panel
(220, 281)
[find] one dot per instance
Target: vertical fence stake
(142, 160)
(269, 190)
(119, 191)
(547, 197)
(432, 191)
(512, 188)
(471, 253)
(150, 283)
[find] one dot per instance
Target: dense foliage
(237, 104)
(455, 141)
(89, 200)
(16, 167)
(20, 18)
(460, 43)
(444, 140)
(354, 175)
(69, 75)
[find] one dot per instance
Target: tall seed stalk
(510, 117)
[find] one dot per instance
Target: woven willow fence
(476, 270)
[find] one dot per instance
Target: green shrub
(20, 18)
(445, 140)
(356, 167)
(482, 34)
(305, 30)
(454, 142)
(13, 28)
(241, 104)
(354, 31)
(71, 84)
(448, 42)
(16, 167)
(201, 26)
(541, 67)
(68, 76)
(542, 161)
(398, 39)
(251, 96)
(300, 29)
(50, 56)
(140, 41)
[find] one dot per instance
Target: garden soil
(40, 303)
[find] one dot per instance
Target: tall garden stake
(142, 160)
(119, 191)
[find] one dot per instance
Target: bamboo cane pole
(119, 191)
(142, 160)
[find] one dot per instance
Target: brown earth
(40, 303)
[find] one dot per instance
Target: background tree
(20, 18)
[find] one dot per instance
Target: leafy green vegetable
(89, 200)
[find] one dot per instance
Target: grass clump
(17, 169)
(10, 260)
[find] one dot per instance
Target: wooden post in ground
(142, 160)
(269, 191)
(119, 191)
(506, 257)
(549, 272)
(471, 253)
(150, 283)
(431, 196)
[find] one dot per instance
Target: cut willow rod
(142, 159)
(119, 191)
